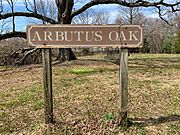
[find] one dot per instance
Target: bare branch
(12, 5)
(35, 6)
(13, 34)
(64, 10)
(161, 16)
(138, 3)
(26, 14)
(1, 6)
(31, 51)
(68, 9)
(27, 3)
(4, 26)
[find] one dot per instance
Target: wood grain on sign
(66, 36)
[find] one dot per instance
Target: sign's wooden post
(123, 78)
(47, 78)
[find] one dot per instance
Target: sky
(112, 9)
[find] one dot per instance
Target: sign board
(66, 36)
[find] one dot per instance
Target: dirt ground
(85, 94)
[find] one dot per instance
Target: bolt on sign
(66, 36)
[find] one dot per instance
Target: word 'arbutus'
(62, 36)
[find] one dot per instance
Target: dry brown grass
(86, 97)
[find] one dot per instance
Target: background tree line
(162, 35)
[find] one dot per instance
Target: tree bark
(64, 17)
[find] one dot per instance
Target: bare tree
(12, 4)
(129, 15)
(156, 33)
(175, 18)
(92, 16)
(4, 26)
(171, 44)
(156, 38)
(84, 18)
(44, 8)
(101, 17)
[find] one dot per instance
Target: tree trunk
(64, 17)
(66, 54)
(61, 56)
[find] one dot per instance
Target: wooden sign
(66, 36)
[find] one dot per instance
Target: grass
(80, 71)
(109, 116)
(5, 68)
(142, 131)
(172, 129)
(85, 95)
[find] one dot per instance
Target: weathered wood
(47, 78)
(123, 78)
(67, 36)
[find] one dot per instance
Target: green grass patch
(109, 116)
(79, 71)
(2, 114)
(28, 95)
(173, 129)
(154, 56)
(88, 70)
(142, 131)
(38, 104)
(2, 68)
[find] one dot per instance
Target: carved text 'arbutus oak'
(66, 36)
